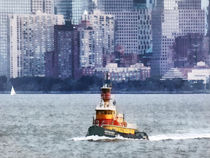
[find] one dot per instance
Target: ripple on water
(54, 126)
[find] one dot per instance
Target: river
(55, 125)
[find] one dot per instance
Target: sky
(205, 3)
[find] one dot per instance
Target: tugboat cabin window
(104, 112)
(105, 90)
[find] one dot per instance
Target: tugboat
(108, 122)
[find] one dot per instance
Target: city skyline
(125, 32)
(105, 78)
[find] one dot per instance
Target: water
(54, 126)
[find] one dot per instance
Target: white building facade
(96, 38)
(30, 37)
(200, 72)
(133, 73)
(16, 7)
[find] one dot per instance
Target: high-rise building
(123, 5)
(78, 8)
(96, 38)
(144, 3)
(133, 24)
(86, 33)
(144, 31)
(65, 58)
(111, 6)
(171, 19)
(127, 30)
(16, 7)
(126, 22)
(72, 9)
(45, 6)
(31, 36)
(64, 7)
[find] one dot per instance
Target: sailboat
(12, 91)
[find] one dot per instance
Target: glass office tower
(64, 7)
(72, 9)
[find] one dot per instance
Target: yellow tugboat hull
(120, 129)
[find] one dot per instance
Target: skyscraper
(78, 8)
(45, 6)
(65, 57)
(96, 38)
(144, 3)
(133, 23)
(171, 19)
(16, 7)
(72, 9)
(115, 6)
(64, 7)
(31, 36)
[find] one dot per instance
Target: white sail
(13, 91)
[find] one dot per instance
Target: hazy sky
(205, 3)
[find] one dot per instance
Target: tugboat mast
(106, 91)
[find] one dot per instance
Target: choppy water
(54, 126)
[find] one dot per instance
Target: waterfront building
(173, 73)
(134, 72)
(16, 7)
(96, 38)
(171, 19)
(200, 72)
(31, 36)
(88, 71)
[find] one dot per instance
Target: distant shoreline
(114, 92)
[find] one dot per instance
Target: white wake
(179, 136)
(151, 138)
(98, 138)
